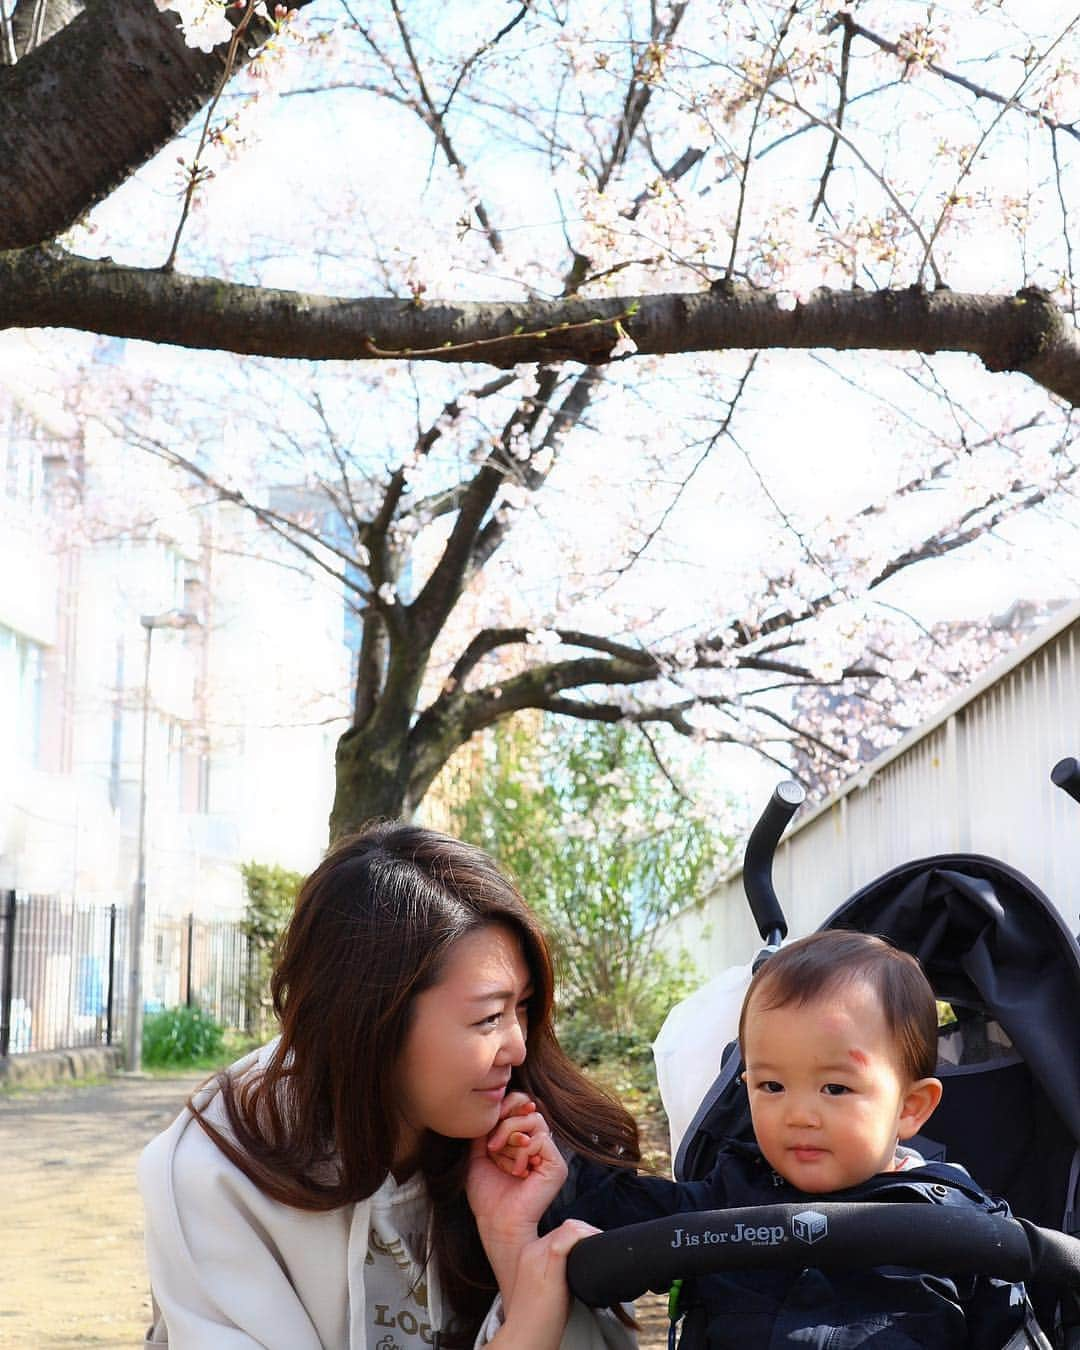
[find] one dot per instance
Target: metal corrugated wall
(977, 779)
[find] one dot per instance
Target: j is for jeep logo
(762, 1236)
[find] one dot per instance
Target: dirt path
(71, 1258)
(71, 1232)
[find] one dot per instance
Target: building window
(20, 699)
(21, 467)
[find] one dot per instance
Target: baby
(839, 1040)
(838, 1034)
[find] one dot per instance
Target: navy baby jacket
(884, 1308)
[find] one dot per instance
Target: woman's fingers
(568, 1234)
(539, 1303)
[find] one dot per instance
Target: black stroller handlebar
(620, 1265)
(786, 799)
(1066, 775)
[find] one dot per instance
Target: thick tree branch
(612, 713)
(535, 687)
(563, 421)
(370, 667)
(491, 639)
(446, 582)
(454, 568)
(129, 84)
(1025, 332)
(673, 717)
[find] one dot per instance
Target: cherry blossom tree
(619, 222)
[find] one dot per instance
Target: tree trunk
(372, 775)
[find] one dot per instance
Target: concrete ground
(71, 1259)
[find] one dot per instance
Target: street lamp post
(173, 618)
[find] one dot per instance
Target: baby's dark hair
(814, 966)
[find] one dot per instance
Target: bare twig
(748, 156)
(722, 430)
(482, 51)
(1064, 220)
(845, 65)
(195, 172)
(658, 761)
(434, 121)
(980, 91)
(976, 149)
(876, 174)
(286, 528)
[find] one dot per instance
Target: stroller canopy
(988, 939)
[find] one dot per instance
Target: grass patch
(234, 1045)
(17, 1092)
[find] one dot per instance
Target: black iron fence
(198, 962)
(64, 969)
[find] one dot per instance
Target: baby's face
(827, 1094)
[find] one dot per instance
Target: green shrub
(181, 1036)
(271, 896)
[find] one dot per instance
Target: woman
(334, 1190)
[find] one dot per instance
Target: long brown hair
(315, 1128)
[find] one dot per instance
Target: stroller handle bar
(620, 1265)
(1066, 775)
(786, 799)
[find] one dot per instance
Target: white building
(244, 706)
(973, 779)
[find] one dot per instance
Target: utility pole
(173, 618)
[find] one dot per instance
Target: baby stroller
(998, 953)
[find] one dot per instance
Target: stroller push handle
(1066, 775)
(620, 1265)
(786, 799)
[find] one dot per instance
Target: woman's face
(467, 1035)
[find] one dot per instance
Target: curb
(57, 1066)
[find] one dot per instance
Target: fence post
(190, 950)
(7, 972)
(112, 976)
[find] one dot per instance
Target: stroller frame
(996, 949)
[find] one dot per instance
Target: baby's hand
(516, 1144)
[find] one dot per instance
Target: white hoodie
(232, 1269)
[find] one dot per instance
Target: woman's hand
(536, 1312)
(517, 1171)
(507, 1202)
